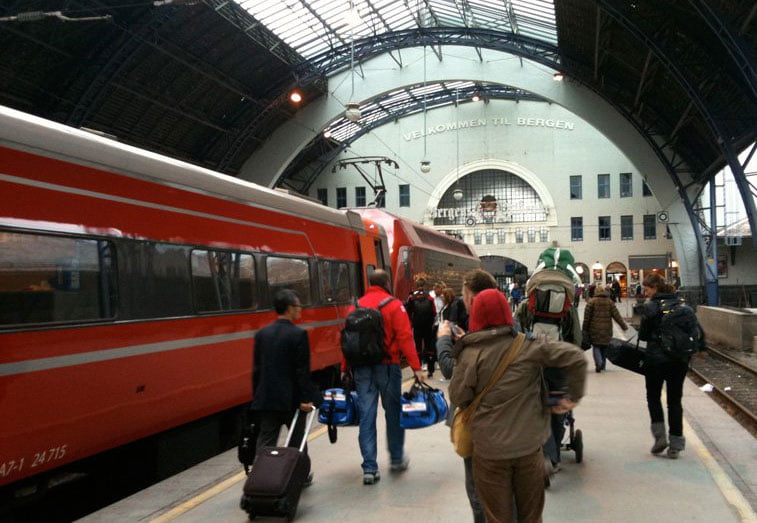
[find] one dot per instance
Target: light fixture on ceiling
(425, 163)
(295, 97)
(476, 97)
(327, 134)
(457, 194)
(558, 76)
(352, 109)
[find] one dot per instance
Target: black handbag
(626, 355)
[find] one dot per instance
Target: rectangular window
(223, 281)
(645, 190)
(501, 236)
(577, 229)
(576, 188)
(518, 235)
(323, 196)
(604, 229)
(544, 234)
(603, 186)
(531, 235)
(489, 237)
(341, 197)
(359, 196)
(335, 281)
(289, 273)
(626, 185)
(477, 237)
(50, 279)
(404, 195)
(650, 227)
(626, 227)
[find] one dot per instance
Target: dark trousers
(270, 425)
(499, 481)
(470, 489)
(600, 356)
(672, 374)
(554, 442)
(425, 345)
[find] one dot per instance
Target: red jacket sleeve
(403, 336)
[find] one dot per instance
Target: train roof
(419, 235)
(25, 132)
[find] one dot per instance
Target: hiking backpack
(549, 301)
(679, 333)
(421, 307)
(363, 336)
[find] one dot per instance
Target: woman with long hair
(662, 368)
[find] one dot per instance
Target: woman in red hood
(511, 421)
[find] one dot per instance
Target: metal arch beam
(440, 99)
(733, 43)
(332, 62)
(695, 95)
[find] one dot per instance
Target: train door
(374, 255)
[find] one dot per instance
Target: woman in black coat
(662, 368)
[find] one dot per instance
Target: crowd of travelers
(521, 386)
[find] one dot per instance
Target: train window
(335, 281)
(223, 280)
(356, 283)
(380, 262)
(53, 279)
(289, 273)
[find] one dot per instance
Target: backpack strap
(504, 362)
(385, 301)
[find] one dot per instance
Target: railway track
(734, 384)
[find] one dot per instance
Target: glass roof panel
(314, 26)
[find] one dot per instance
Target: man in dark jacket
(281, 373)
(421, 309)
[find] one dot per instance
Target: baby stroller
(574, 440)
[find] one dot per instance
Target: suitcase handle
(308, 426)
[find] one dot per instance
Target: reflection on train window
(341, 275)
(223, 280)
(335, 281)
(50, 279)
(289, 273)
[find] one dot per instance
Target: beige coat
(512, 419)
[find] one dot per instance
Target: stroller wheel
(578, 445)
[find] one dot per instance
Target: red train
(131, 286)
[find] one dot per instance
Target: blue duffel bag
(422, 406)
(339, 409)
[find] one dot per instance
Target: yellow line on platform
(216, 489)
(223, 485)
(730, 492)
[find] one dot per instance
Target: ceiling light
(425, 166)
(558, 77)
(476, 97)
(327, 134)
(352, 111)
(295, 97)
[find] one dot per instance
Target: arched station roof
(207, 80)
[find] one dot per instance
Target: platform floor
(715, 480)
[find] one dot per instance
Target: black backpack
(679, 334)
(421, 309)
(363, 336)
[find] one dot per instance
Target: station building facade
(513, 178)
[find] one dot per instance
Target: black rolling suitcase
(277, 477)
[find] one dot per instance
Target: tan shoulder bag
(461, 435)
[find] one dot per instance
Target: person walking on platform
(421, 310)
(511, 423)
(475, 281)
(281, 374)
(616, 292)
(597, 326)
(664, 366)
(384, 380)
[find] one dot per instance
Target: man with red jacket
(384, 379)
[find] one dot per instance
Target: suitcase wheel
(578, 446)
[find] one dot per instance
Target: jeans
(554, 441)
(600, 358)
(673, 374)
(470, 489)
(372, 381)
